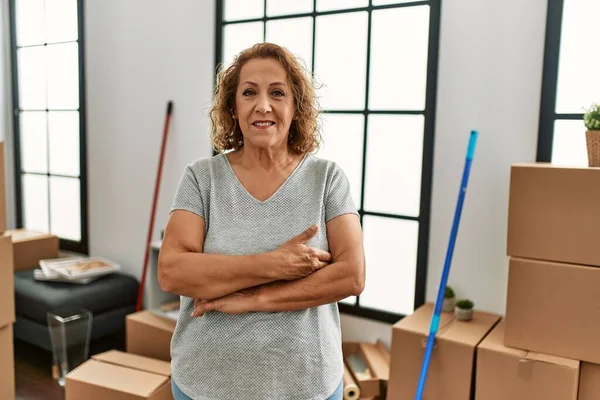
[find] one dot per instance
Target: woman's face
(264, 104)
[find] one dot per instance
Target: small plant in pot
(449, 300)
(591, 119)
(464, 310)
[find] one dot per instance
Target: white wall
(489, 78)
(139, 55)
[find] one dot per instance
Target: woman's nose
(264, 105)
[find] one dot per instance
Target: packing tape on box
(351, 389)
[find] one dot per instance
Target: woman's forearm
(210, 276)
(327, 285)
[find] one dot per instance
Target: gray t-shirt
(260, 355)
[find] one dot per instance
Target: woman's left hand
(240, 302)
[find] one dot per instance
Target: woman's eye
(247, 92)
(278, 93)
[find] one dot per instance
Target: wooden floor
(33, 369)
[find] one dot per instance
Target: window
(49, 120)
(377, 63)
(570, 83)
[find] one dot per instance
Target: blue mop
(435, 319)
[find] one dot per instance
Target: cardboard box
(118, 375)
(2, 189)
(7, 282)
(589, 381)
(553, 308)
(508, 373)
(149, 335)
(7, 363)
(371, 356)
(450, 374)
(29, 247)
(553, 213)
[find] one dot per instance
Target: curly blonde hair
(304, 136)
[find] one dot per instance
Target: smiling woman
(262, 241)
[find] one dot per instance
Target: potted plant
(449, 300)
(591, 119)
(464, 310)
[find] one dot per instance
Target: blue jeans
(179, 395)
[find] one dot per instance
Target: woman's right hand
(298, 260)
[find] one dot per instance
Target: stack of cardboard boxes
(142, 372)
(7, 297)
(546, 347)
(548, 342)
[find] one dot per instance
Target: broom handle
(435, 319)
(140, 298)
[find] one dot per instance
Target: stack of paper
(79, 270)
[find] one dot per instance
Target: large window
(48, 99)
(570, 83)
(376, 63)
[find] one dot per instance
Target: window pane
(32, 78)
(391, 257)
(295, 34)
(343, 136)
(35, 202)
(63, 127)
(406, 31)
(30, 22)
(286, 7)
(340, 60)
(238, 37)
(61, 20)
(326, 5)
(578, 84)
(569, 145)
(243, 9)
(394, 158)
(383, 2)
(63, 76)
(34, 144)
(65, 207)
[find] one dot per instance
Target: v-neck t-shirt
(260, 355)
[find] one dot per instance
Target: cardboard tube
(351, 389)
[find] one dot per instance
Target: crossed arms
(292, 277)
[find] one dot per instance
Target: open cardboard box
(509, 373)
(376, 359)
(122, 376)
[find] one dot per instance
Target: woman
(260, 244)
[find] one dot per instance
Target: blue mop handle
(435, 319)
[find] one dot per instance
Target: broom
(435, 319)
(140, 298)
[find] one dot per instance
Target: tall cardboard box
(450, 375)
(7, 363)
(589, 382)
(29, 247)
(2, 189)
(507, 373)
(149, 335)
(553, 308)
(118, 375)
(7, 284)
(553, 213)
